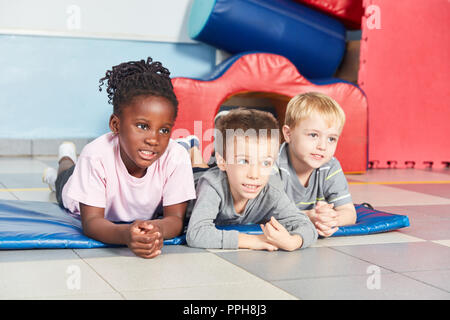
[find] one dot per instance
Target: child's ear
(286, 133)
(220, 161)
(114, 123)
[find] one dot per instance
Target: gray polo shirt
(326, 183)
(214, 206)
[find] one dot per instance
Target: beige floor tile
(386, 175)
(386, 237)
(84, 296)
(130, 273)
(380, 195)
(35, 195)
(255, 290)
(443, 242)
(6, 195)
(21, 165)
(44, 273)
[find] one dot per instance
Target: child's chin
(250, 196)
(144, 163)
(318, 163)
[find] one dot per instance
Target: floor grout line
(256, 276)
(397, 272)
(421, 281)
(11, 193)
(101, 277)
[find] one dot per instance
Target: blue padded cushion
(313, 41)
(32, 224)
(368, 221)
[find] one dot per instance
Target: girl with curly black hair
(126, 174)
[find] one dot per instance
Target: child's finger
(150, 255)
(326, 208)
(327, 215)
(271, 247)
(159, 244)
(321, 203)
(147, 226)
(322, 227)
(145, 239)
(328, 221)
(274, 222)
(265, 232)
(141, 238)
(325, 231)
(270, 229)
(330, 232)
(134, 227)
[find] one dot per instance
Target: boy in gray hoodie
(243, 189)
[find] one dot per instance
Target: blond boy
(243, 190)
(312, 177)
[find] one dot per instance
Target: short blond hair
(304, 105)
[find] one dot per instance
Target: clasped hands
(324, 218)
(145, 239)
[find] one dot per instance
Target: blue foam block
(32, 224)
(313, 41)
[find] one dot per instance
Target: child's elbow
(193, 238)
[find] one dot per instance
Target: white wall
(149, 20)
(49, 72)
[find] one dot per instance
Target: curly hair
(134, 78)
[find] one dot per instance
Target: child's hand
(155, 231)
(279, 236)
(145, 239)
(255, 242)
(325, 219)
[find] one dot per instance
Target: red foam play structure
(349, 12)
(275, 77)
(405, 73)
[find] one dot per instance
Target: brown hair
(244, 122)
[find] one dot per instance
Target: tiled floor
(411, 263)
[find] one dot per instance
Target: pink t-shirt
(100, 179)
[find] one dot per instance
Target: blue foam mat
(32, 224)
(368, 221)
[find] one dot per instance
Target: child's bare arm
(97, 227)
(255, 242)
(171, 225)
(346, 214)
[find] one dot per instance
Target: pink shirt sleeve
(88, 183)
(179, 186)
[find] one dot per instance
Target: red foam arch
(349, 12)
(200, 100)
